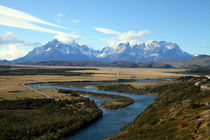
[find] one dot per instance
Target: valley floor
(11, 85)
(19, 102)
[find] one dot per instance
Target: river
(112, 120)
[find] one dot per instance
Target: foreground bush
(180, 112)
(45, 118)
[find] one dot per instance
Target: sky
(26, 24)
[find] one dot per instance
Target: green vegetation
(45, 118)
(181, 111)
(185, 78)
(125, 88)
(117, 102)
(7, 70)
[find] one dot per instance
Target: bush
(44, 118)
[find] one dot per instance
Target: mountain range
(144, 52)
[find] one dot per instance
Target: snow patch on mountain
(48, 49)
(142, 52)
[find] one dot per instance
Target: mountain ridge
(195, 62)
(148, 51)
(144, 52)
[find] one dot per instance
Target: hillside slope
(195, 62)
(203, 71)
(181, 111)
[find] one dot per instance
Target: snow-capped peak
(148, 51)
(152, 43)
(48, 49)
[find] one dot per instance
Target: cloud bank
(131, 37)
(11, 47)
(9, 38)
(12, 52)
(18, 19)
(14, 18)
(24, 16)
(68, 38)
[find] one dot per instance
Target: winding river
(112, 120)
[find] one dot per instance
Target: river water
(112, 120)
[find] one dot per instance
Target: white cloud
(75, 21)
(12, 22)
(12, 44)
(68, 38)
(24, 16)
(132, 37)
(107, 31)
(12, 52)
(14, 18)
(59, 17)
(9, 38)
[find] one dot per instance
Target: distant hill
(180, 112)
(150, 51)
(123, 64)
(4, 62)
(195, 62)
(153, 65)
(202, 71)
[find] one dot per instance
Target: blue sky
(101, 23)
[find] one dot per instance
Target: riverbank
(116, 101)
(45, 118)
(126, 88)
(111, 121)
(180, 111)
(11, 89)
(11, 85)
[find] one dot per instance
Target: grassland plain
(25, 114)
(181, 111)
(11, 89)
(10, 86)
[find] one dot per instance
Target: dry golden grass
(107, 73)
(10, 86)
(54, 94)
